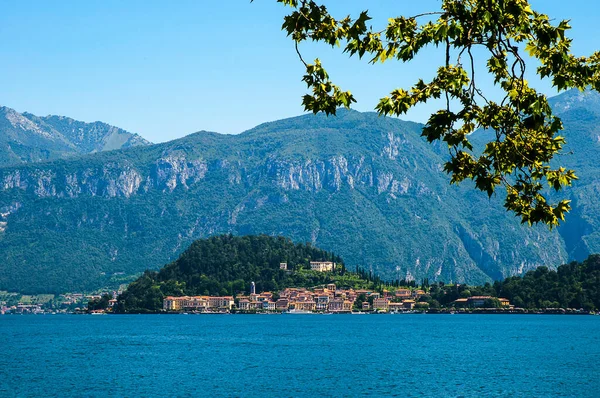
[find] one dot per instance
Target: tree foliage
(99, 304)
(526, 132)
(573, 285)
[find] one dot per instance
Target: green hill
(225, 265)
(574, 285)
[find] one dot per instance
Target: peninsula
(265, 274)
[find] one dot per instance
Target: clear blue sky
(165, 69)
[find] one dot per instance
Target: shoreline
(317, 313)
(430, 312)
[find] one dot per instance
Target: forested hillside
(366, 187)
(225, 265)
(573, 285)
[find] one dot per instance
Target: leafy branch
(527, 133)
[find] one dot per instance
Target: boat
(298, 312)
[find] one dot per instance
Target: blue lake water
(299, 355)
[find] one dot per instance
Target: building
(461, 302)
(265, 296)
(352, 297)
(347, 306)
(283, 266)
(28, 309)
(221, 302)
(244, 304)
(381, 303)
(403, 293)
(305, 305)
(282, 304)
(196, 303)
(322, 303)
(336, 305)
(477, 301)
(322, 266)
(252, 288)
(171, 303)
(504, 302)
(408, 304)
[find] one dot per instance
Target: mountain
(26, 138)
(365, 187)
(580, 113)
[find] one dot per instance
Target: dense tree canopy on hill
(574, 285)
(226, 264)
(468, 33)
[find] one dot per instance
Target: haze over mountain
(368, 188)
(26, 138)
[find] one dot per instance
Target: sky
(166, 69)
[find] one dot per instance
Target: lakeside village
(68, 303)
(331, 299)
(324, 299)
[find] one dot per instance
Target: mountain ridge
(366, 187)
(29, 138)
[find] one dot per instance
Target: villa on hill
(322, 266)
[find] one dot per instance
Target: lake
(299, 355)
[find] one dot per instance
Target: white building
(322, 266)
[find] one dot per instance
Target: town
(322, 299)
(328, 299)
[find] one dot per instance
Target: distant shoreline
(479, 312)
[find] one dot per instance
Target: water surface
(299, 355)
